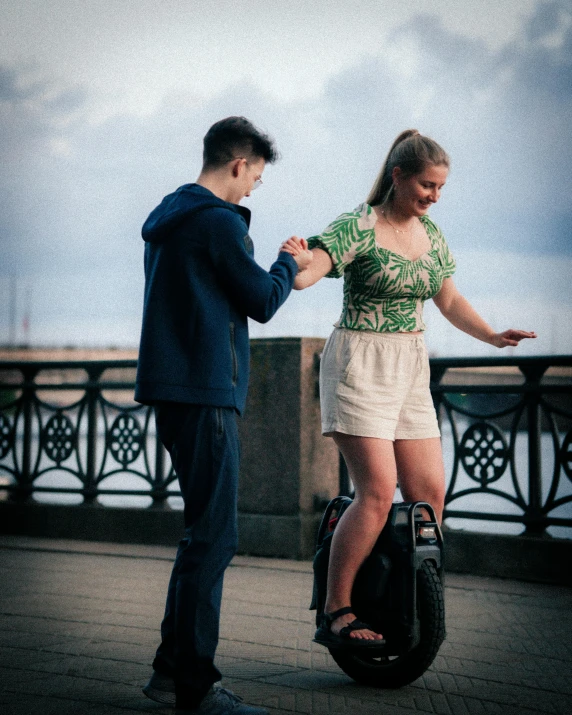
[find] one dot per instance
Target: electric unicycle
(398, 591)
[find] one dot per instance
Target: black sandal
(324, 635)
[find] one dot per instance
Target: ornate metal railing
(83, 431)
(506, 425)
(511, 440)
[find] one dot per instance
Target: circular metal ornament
(566, 455)
(125, 439)
(59, 438)
(5, 436)
(484, 453)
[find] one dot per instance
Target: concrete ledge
(287, 537)
(291, 537)
(525, 558)
(92, 523)
(516, 557)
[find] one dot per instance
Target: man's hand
(298, 248)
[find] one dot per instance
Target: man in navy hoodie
(201, 285)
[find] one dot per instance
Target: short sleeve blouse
(383, 291)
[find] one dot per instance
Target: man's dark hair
(233, 137)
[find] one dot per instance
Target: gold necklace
(398, 231)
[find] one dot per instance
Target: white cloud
(131, 53)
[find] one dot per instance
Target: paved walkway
(79, 624)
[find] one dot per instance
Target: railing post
(535, 521)
(25, 489)
(90, 487)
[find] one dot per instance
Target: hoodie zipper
(233, 354)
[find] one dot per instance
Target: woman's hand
(298, 249)
(318, 261)
(294, 245)
(510, 337)
(462, 315)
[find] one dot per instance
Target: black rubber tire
(383, 672)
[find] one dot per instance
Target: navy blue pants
(204, 448)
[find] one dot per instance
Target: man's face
(255, 170)
(248, 172)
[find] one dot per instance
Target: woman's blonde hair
(412, 153)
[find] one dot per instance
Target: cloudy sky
(104, 103)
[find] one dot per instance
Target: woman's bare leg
(372, 468)
(420, 471)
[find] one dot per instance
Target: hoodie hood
(179, 206)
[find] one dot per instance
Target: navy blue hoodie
(201, 284)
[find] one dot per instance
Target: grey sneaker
(220, 701)
(161, 689)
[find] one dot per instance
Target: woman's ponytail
(412, 152)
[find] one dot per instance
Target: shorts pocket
(425, 370)
(354, 358)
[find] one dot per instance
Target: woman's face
(415, 194)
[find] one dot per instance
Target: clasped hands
(298, 248)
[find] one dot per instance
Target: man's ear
(236, 167)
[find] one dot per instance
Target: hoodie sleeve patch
(249, 245)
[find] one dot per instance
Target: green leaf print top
(383, 291)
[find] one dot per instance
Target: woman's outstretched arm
(319, 266)
(460, 313)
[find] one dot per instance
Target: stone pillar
(288, 469)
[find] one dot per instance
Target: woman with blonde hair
(374, 375)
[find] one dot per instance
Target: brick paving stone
(27, 659)
(249, 668)
(342, 696)
(60, 631)
(31, 705)
(554, 648)
(559, 681)
(522, 661)
(14, 679)
(79, 626)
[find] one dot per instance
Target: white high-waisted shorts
(376, 385)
